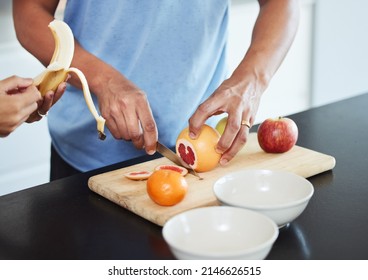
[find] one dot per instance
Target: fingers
(31, 106)
(141, 125)
(129, 117)
(45, 105)
(59, 92)
(132, 130)
(203, 112)
(31, 95)
(150, 134)
(235, 146)
(14, 84)
(28, 102)
(235, 134)
(115, 120)
(49, 99)
(231, 130)
(241, 108)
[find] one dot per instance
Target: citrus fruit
(220, 126)
(183, 171)
(138, 175)
(166, 187)
(200, 154)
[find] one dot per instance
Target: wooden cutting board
(132, 194)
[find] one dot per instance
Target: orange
(166, 187)
(200, 154)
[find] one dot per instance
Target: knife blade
(169, 154)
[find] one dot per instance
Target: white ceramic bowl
(280, 195)
(220, 232)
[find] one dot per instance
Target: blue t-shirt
(173, 50)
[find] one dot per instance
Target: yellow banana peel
(59, 67)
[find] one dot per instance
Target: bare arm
(239, 96)
(273, 34)
(123, 105)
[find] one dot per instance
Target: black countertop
(65, 220)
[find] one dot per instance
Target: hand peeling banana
(59, 67)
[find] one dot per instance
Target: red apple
(277, 135)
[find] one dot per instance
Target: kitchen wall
(290, 88)
(327, 62)
(340, 62)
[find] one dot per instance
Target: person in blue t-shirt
(154, 67)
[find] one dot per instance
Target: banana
(59, 67)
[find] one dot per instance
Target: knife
(169, 154)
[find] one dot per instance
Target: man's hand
(241, 106)
(127, 112)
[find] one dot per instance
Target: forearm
(273, 34)
(31, 20)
